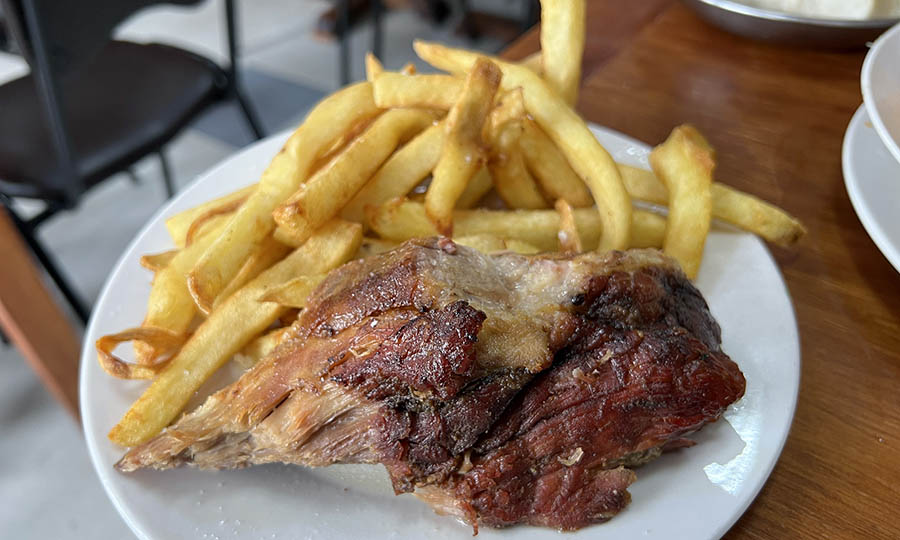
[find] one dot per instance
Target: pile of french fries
(491, 153)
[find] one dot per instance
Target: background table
(34, 322)
(777, 117)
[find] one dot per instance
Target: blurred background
(290, 53)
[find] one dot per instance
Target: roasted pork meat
(500, 389)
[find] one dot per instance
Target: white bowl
(881, 88)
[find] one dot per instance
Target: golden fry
(179, 224)
(157, 261)
(478, 187)
(562, 45)
(404, 170)
(401, 220)
(235, 323)
(158, 338)
(648, 229)
(170, 305)
(728, 204)
(462, 154)
(373, 67)
(509, 109)
(326, 193)
(374, 246)
(568, 131)
(569, 239)
(269, 252)
(534, 62)
(550, 167)
(513, 182)
(293, 293)
(685, 163)
(325, 124)
(489, 243)
(425, 91)
(260, 347)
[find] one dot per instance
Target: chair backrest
(56, 37)
(72, 32)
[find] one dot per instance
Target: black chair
(93, 106)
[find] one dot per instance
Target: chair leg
(50, 267)
(167, 174)
(377, 39)
(249, 114)
(344, 32)
(3, 339)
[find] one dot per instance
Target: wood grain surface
(34, 322)
(777, 117)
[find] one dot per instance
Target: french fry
(489, 243)
(728, 204)
(585, 154)
(569, 239)
(485, 243)
(158, 338)
(269, 252)
(328, 120)
(425, 91)
(478, 187)
(462, 154)
(293, 293)
(374, 246)
(685, 163)
(509, 108)
(550, 167)
(373, 67)
(229, 328)
(512, 180)
(648, 229)
(325, 194)
(408, 69)
(401, 220)
(404, 170)
(157, 261)
(170, 306)
(562, 45)
(179, 224)
(520, 247)
(260, 347)
(534, 62)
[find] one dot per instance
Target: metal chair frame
(71, 185)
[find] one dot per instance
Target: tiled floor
(47, 484)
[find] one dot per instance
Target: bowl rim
(779, 16)
(868, 93)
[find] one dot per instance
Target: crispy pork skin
(501, 389)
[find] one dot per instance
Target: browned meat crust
(502, 389)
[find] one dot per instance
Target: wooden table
(777, 117)
(33, 321)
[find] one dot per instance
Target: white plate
(872, 177)
(880, 83)
(697, 493)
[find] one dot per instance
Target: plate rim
(750, 492)
(783, 17)
(852, 183)
(873, 59)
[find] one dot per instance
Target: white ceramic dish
(789, 29)
(880, 83)
(719, 477)
(872, 177)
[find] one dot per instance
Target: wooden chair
(93, 106)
